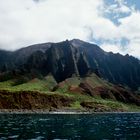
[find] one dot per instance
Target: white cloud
(130, 26)
(134, 48)
(129, 29)
(28, 22)
(111, 47)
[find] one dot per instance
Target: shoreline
(63, 112)
(41, 111)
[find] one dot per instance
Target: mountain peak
(67, 58)
(77, 42)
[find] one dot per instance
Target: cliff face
(32, 100)
(116, 68)
(74, 57)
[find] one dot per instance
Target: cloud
(111, 47)
(128, 29)
(27, 22)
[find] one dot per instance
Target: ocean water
(70, 127)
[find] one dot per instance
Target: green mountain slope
(89, 93)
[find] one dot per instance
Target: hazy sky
(112, 24)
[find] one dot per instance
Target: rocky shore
(42, 111)
(46, 111)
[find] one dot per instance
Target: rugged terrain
(70, 75)
(80, 94)
(68, 58)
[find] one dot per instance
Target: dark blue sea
(70, 127)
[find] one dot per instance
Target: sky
(114, 25)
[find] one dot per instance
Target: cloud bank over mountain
(114, 25)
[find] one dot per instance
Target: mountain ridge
(66, 58)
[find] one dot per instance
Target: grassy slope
(33, 85)
(45, 86)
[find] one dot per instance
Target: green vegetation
(95, 81)
(48, 83)
(32, 85)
